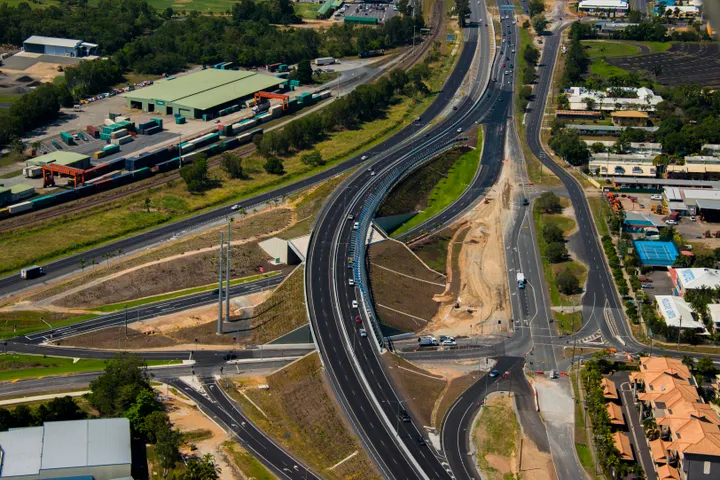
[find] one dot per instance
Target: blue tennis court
(656, 253)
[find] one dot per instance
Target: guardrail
(359, 236)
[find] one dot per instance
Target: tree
(531, 54)
(83, 264)
(166, 447)
(589, 103)
(202, 468)
(567, 283)
(568, 145)
(462, 8)
(556, 252)
(57, 410)
(232, 164)
(404, 7)
(196, 174)
(313, 159)
(597, 147)
(274, 166)
(536, 7)
(706, 367)
(304, 72)
(539, 23)
(549, 202)
(529, 74)
(552, 233)
(155, 425)
(113, 392)
(145, 404)
(147, 204)
(635, 16)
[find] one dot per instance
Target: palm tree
(36, 145)
(689, 362)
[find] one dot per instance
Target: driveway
(636, 433)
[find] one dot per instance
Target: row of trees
(608, 455)
(531, 55)
(32, 110)
(554, 242)
(57, 409)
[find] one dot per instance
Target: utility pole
(220, 287)
(227, 282)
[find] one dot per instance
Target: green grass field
(24, 322)
(307, 10)
(566, 224)
(167, 296)
(16, 367)
(458, 178)
(215, 6)
(603, 69)
(10, 97)
(603, 48)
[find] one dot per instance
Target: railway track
(410, 58)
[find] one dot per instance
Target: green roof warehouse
(200, 93)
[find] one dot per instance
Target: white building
(645, 148)
(642, 99)
(603, 6)
(678, 313)
(618, 164)
(98, 448)
(685, 279)
(714, 309)
(61, 47)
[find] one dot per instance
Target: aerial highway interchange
(354, 364)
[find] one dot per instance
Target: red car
(358, 319)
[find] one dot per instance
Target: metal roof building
(61, 47)
(66, 159)
(99, 448)
(200, 93)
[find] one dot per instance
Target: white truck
(520, 280)
(324, 61)
(261, 107)
(428, 341)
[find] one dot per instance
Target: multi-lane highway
(353, 361)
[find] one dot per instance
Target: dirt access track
(476, 297)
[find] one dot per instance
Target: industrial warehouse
(201, 94)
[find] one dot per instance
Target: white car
(449, 343)
(656, 197)
(235, 207)
(364, 157)
(363, 333)
(459, 130)
(670, 221)
(356, 225)
(354, 304)
(351, 282)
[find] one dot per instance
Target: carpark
(381, 11)
(683, 63)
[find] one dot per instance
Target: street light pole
(126, 322)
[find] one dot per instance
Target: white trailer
(520, 280)
(324, 61)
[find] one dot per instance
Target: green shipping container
(362, 20)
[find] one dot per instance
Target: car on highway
(351, 282)
(526, 202)
(354, 304)
(350, 216)
(421, 441)
(449, 343)
(454, 107)
(216, 291)
(656, 197)
(372, 173)
(507, 72)
(494, 373)
(363, 333)
(403, 414)
(229, 356)
(358, 318)
(356, 225)
(648, 286)
(670, 221)
(364, 157)
(235, 207)
(459, 130)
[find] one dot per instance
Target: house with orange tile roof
(622, 443)
(666, 472)
(689, 443)
(615, 414)
(609, 390)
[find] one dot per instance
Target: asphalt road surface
(352, 361)
(150, 310)
(457, 427)
(216, 404)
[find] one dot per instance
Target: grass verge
(604, 48)
(599, 209)
(584, 454)
(246, 463)
(301, 416)
(496, 434)
(15, 367)
(550, 270)
(158, 298)
(449, 189)
(567, 323)
(17, 323)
